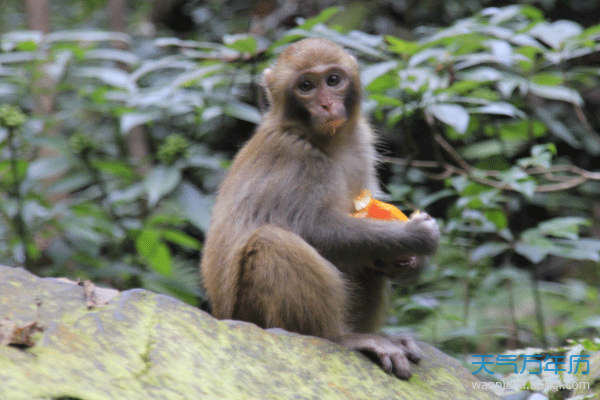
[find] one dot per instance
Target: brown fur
(282, 250)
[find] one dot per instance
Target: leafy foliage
(111, 157)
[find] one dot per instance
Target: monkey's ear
(267, 77)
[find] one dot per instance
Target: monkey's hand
(393, 354)
(424, 233)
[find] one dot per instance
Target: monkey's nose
(325, 107)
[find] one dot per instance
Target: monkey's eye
(305, 86)
(334, 80)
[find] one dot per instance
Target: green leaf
(547, 79)
(459, 183)
(399, 46)
(383, 83)
(110, 75)
(20, 169)
(71, 183)
(17, 57)
(535, 250)
(488, 250)
(11, 40)
(383, 100)
(243, 43)
(497, 217)
(563, 227)
(195, 206)
(46, 167)
(28, 45)
(582, 243)
(86, 36)
(503, 14)
(189, 78)
(500, 108)
(541, 156)
(483, 149)
(556, 33)
(161, 181)
(372, 72)
(436, 53)
(501, 50)
(452, 114)
(462, 87)
(532, 12)
(574, 253)
(557, 93)
(482, 74)
(116, 55)
(150, 246)
(432, 198)
(540, 149)
(77, 231)
(323, 16)
(591, 31)
(181, 239)
(130, 120)
(116, 168)
(557, 128)
(517, 130)
(129, 194)
(526, 188)
(243, 111)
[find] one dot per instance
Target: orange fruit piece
(367, 207)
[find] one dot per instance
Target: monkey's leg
(368, 301)
(392, 353)
(285, 283)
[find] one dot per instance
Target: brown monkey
(282, 250)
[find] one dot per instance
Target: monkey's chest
(353, 174)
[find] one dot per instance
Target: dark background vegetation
(118, 120)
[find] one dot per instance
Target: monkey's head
(315, 83)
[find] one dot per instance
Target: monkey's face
(322, 92)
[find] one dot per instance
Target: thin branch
(453, 153)
(586, 123)
(414, 163)
(561, 186)
(578, 177)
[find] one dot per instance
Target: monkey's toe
(409, 346)
(392, 354)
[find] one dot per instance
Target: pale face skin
(322, 90)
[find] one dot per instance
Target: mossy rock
(142, 345)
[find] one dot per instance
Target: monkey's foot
(392, 353)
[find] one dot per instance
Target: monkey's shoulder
(270, 149)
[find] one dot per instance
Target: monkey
(282, 250)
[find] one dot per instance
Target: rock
(142, 345)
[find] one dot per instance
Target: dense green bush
(111, 158)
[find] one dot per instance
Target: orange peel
(366, 206)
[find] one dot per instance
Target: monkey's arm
(358, 240)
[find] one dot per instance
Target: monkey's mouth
(330, 126)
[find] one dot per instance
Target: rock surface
(143, 345)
